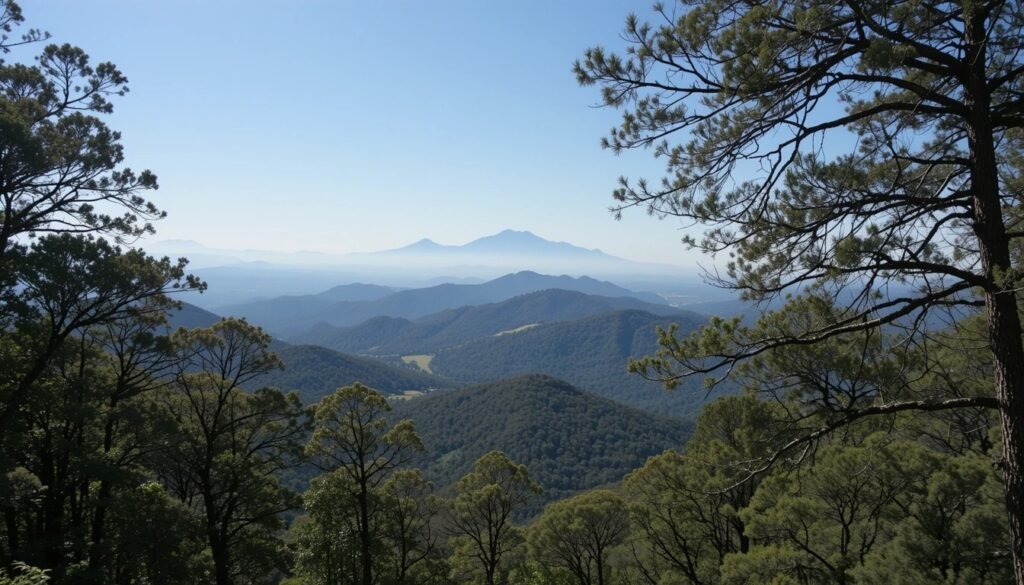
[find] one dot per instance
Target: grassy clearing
(422, 361)
(516, 330)
(407, 395)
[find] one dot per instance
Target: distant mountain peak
(516, 234)
(513, 237)
(424, 243)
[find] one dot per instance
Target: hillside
(569, 439)
(191, 316)
(590, 353)
(388, 335)
(356, 292)
(317, 371)
(292, 315)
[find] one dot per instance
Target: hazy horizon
(339, 127)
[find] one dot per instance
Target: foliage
(314, 372)
(170, 555)
(901, 203)
(352, 438)
(578, 534)
(481, 515)
(591, 353)
(23, 575)
(62, 168)
(570, 440)
(230, 445)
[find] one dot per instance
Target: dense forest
(315, 371)
(570, 440)
(590, 353)
(865, 429)
(455, 327)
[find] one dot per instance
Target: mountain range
(507, 242)
(591, 353)
(453, 327)
(315, 372)
(235, 276)
(293, 315)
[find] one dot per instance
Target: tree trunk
(365, 560)
(1004, 330)
(221, 558)
(11, 522)
(218, 546)
(1004, 327)
(98, 529)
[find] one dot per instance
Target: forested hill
(388, 335)
(590, 353)
(317, 371)
(288, 316)
(570, 440)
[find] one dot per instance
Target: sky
(340, 126)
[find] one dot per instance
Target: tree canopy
(866, 153)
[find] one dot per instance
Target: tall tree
(231, 444)
(867, 152)
(326, 537)
(65, 285)
(353, 437)
(578, 534)
(137, 358)
(402, 514)
(686, 506)
(481, 512)
(60, 165)
(409, 518)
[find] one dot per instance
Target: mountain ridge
(385, 335)
(315, 371)
(591, 353)
(288, 315)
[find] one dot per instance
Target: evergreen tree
(867, 153)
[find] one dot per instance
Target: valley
(368, 322)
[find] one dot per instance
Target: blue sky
(343, 126)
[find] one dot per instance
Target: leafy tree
(65, 285)
(326, 537)
(481, 512)
(230, 444)
(863, 152)
(686, 506)
(84, 433)
(877, 511)
(138, 360)
(832, 516)
(167, 555)
(410, 511)
(403, 535)
(21, 491)
(61, 169)
(579, 532)
(944, 532)
(353, 438)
